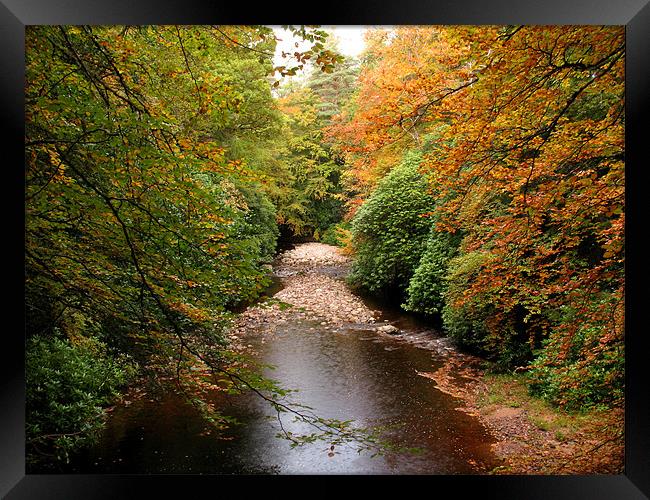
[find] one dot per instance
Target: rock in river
(388, 329)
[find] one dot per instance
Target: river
(350, 373)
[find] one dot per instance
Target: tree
(147, 210)
(539, 137)
(311, 201)
(404, 73)
(529, 169)
(334, 87)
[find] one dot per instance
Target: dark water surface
(350, 374)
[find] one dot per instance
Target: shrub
(337, 234)
(389, 230)
(69, 382)
(429, 282)
(580, 367)
(478, 322)
(465, 320)
(251, 237)
(260, 226)
(324, 213)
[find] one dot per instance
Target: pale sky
(350, 41)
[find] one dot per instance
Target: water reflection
(347, 374)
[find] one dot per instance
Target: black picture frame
(16, 14)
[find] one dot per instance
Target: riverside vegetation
(473, 175)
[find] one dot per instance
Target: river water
(350, 373)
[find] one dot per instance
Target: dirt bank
(532, 436)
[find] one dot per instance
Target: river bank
(531, 437)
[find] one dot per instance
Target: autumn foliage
(522, 130)
(154, 188)
(478, 170)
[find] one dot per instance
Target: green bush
(389, 229)
(325, 213)
(429, 282)
(584, 372)
(463, 320)
(334, 235)
(69, 383)
(251, 238)
(479, 323)
(261, 228)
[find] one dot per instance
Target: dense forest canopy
(158, 168)
(476, 173)
(521, 131)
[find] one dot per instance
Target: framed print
(394, 243)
